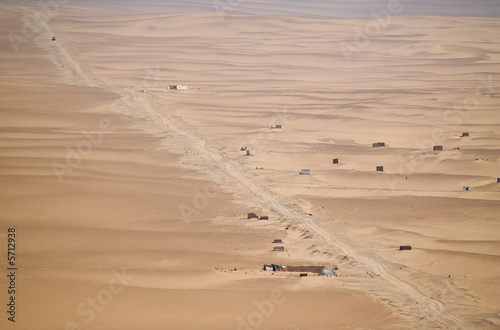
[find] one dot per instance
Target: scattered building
(305, 172)
(335, 160)
(437, 148)
(279, 248)
(275, 268)
(243, 148)
(303, 275)
(378, 144)
(498, 180)
(248, 152)
(465, 188)
(404, 247)
(276, 126)
(177, 87)
(380, 168)
(465, 134)
(252, 216)
(263, 217)
(306, 269)
(278, 240)
(53, 38)
(328, 272)
(320, 270)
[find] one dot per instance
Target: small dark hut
(308, 269)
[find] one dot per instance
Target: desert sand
(130, 200)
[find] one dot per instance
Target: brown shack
(279, 248)
(278, 240)
(306, 269)
(252, 216)
(437, 148)
(404, 247)
(335, 160)
(380, 168)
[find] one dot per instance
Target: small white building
(305, 172)
(177, 87)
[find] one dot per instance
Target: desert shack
(53, 39)
(252, 216)
(378, 144)
(437, 148)
(263, 217)
(306, 269)
(278, 240)
(275, 268)
(279, 248)
(329, 272)
(465, 134)
(305, 172)
(498, 180)
(335, 161)
(380, 168)
(276, 126)
(243, 148)
(247, 152)
(405, 247)
(177, 87)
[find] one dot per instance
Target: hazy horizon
(316, 8)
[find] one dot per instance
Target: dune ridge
(160, 202)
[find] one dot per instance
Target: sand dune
(134, 197)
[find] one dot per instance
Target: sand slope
(133, 197)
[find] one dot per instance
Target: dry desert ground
(129, 200)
